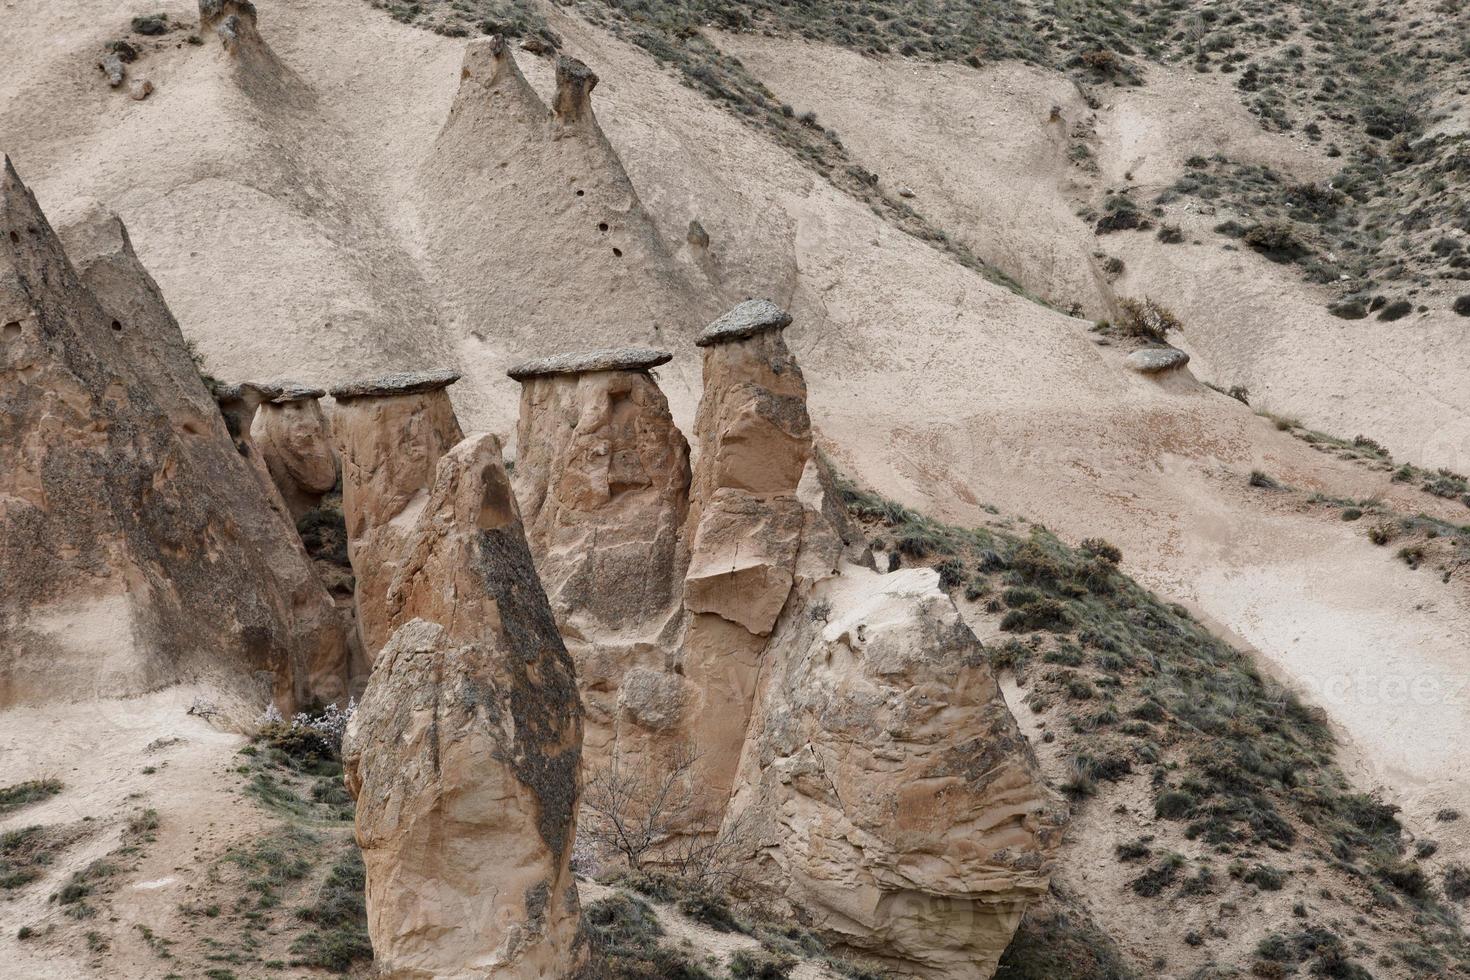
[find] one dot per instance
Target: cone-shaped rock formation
(165, 560)
(540, 189)
(464, 754)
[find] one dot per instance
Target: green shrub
(757, 964)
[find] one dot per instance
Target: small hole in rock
(14, 237)
(580, 193)
(116, 325)
(602, 226)
(12, 329)
(618, 252)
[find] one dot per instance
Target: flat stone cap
(293, 391)
(402, 383)
(260, 390)
(1155, 360)
(746, 320)
(587, 361)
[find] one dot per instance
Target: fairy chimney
(389, 433)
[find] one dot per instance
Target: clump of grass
(759, 964)
(1146, 319)
(338, 914)
(1055, 942)
(626, 932)
(274, 861)
(22, 794)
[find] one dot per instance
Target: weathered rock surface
(389, 433)
(295, 441)
(846, 728)
(603, 477)
(885, 789)
(164, 559)
(464, 753)
(603, 483)
(238, 403)
(1156, 360)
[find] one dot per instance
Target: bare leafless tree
(647, 814)
(635, 809)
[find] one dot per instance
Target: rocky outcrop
(1157, 360)
(603, 477)
(464, 753)
(886, 791)
(232, 21)
(294, 440)
(847, 737)
(164, 559)
(603, 483)
(389, 433)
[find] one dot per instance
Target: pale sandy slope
(986, 160)
(927, 381)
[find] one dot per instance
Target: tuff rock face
(165, 560)
(464, 754)
(885, 789)
(603, 481)
(293, 438)
(850, 738)
(389, 433)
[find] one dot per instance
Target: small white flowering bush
(308, 735)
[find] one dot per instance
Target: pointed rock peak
(574, 85)
(402, 383)
(746, 320)
(487, 60)
(587, 362)
(20, 215)
(97, 232)
(232, 20)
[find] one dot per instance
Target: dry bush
(1147, 319)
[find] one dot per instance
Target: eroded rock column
(390, 433)
(603, 483)
(755, 508)
(295, 442)
(464, 754)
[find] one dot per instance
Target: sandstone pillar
(390, 433)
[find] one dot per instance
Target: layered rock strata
(464, 755)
